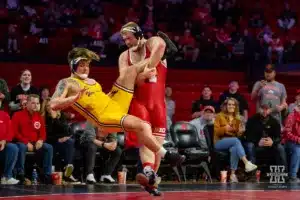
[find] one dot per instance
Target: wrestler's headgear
(133, 28)
(77, 54)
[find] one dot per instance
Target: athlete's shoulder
(124, 54)
(155, 39)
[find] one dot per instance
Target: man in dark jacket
(263, 134)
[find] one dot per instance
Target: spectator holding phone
(263, 135)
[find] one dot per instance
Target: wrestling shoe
(174, 158)
(144, 182)
(150, 174)
(170, 49)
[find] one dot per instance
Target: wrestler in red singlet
(148, 102)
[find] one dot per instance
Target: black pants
(66, 150)
(276, 151)
(113, 157)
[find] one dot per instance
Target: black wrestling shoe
(153, 191)
(143, 180)
(170, 49)
(174, 158)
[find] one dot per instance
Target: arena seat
(186, 139)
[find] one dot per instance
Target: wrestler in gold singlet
(103, 110)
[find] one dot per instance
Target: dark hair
(206, 86)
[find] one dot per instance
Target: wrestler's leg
(157, 157)
(145, 137)
(128, 74)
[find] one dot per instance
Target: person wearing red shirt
(30, 134)
(8, 151)
(291, 138)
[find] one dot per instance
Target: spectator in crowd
(276, 46)
(189, 47)
(12, 42)
(201, 122)
(96, 34)
(18, 95)
(12, 4)
(291, 50)
(4, 93)
(270, 92)
(234, 93)
(44, 93)
(59, 136)
(292, 106)
(291, 138)
(8, 150)
(30, 135)
(83, 40)
(108, 147)
(170, 104)
(287, 19)
(206, 99)
(263, 135)
(227, 130)
(257, 20)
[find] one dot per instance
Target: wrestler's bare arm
(157, 48)
(66, 93)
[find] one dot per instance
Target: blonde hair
(130, 26)
(83, 53)
(236, 113)
(44, 112)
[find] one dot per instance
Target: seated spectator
(276, 46)
(291, 138)
(188, 43)
(291, 50)
(256, 21)
(263, 135)
(4, 93)
(82, 40)
(287, 19)
(206, 99)
(30, 135)
(12, 42)
(107, 145)
(59, 136)
(170, 105)
(96, 34)
(201, 122)
(8, 151)
(227, 128)
(19, 93)
(234, 93)
(292, 106)
(44, 93)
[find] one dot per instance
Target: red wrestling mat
(182, 195)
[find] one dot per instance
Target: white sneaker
(107, 179)
(233, 178)
(11, 181)
(90, 179)
(249, 167)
